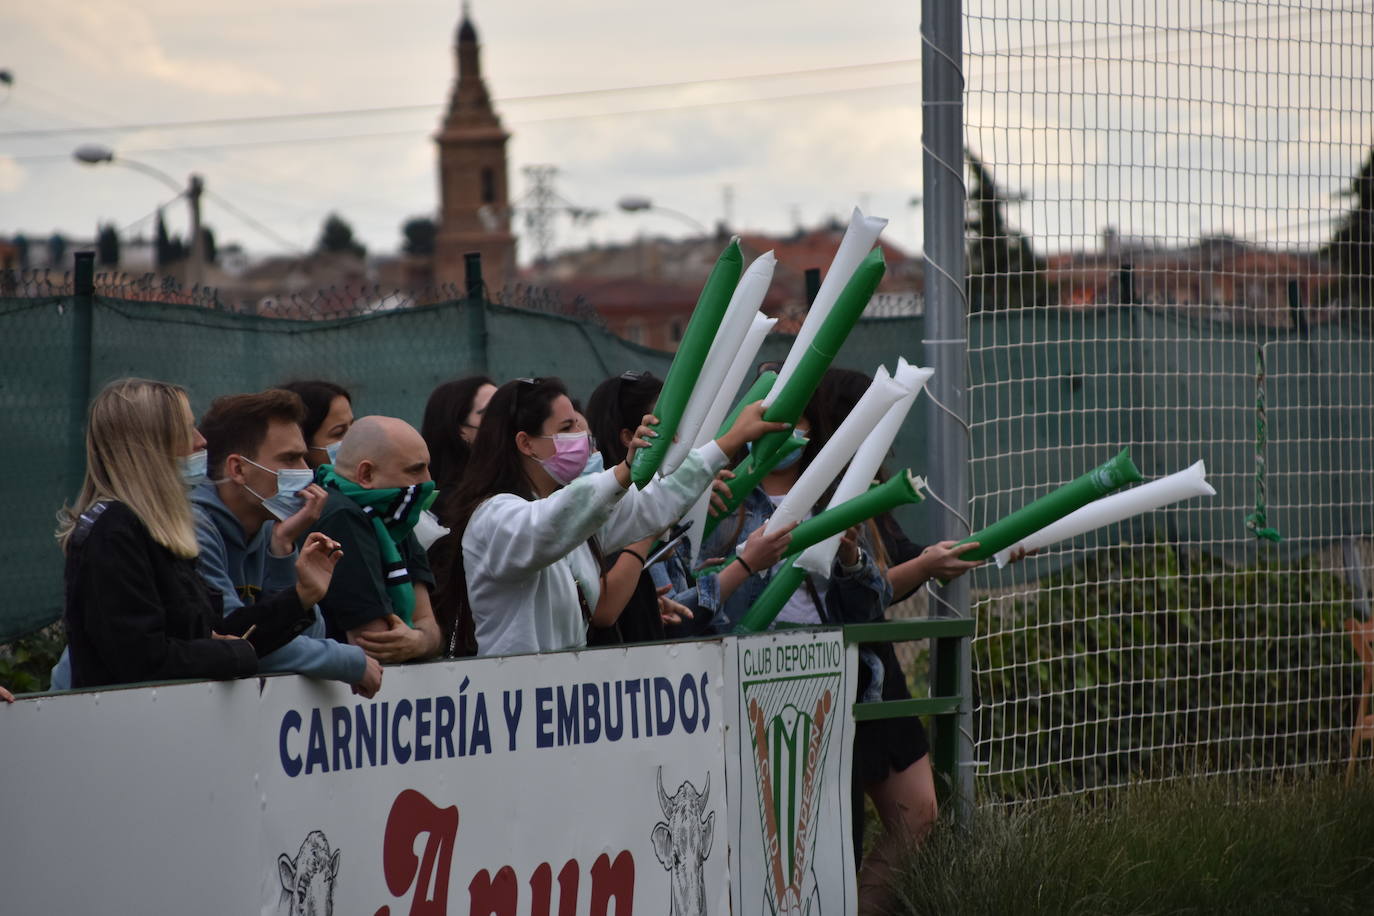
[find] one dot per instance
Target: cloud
(114, 37)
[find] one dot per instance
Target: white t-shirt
(801, 607)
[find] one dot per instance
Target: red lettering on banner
(413, 814)
(494, 896)
(541, 890)
(613, 880)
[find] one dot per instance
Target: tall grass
(1267, 845)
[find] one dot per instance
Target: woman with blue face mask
(526, 574)
(856, 589)
(328, 415)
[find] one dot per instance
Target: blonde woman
(136, 608)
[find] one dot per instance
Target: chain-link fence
(1170, 248)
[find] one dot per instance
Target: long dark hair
(318, 396)
(493, 467)
(619, 403)
(446, 413)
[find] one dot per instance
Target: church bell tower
(474, 206)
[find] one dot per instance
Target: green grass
(26, 663)
(1260, 845)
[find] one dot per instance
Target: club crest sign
(792, 772)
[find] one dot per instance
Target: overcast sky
(1164, 118)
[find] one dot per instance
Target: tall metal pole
(196, 275)
(476, 305)
(946, 346)
(79, 370)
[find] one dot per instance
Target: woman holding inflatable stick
(613, 411)
(891, 760)
(530, 525)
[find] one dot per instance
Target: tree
(1351, 249)
(167, 250)
(57, 249)
(336, 237)
(420, 233)
(207, 239)
(1003, 269)
(107, 246)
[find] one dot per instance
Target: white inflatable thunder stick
(858, 241)
(730, 337)
(882, 393)
(818, 558)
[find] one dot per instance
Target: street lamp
(635, 204)
(95, 154)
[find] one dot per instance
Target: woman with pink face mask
(532, 527)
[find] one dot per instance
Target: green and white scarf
(394, 512)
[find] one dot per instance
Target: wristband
(747, 568)
(634, 554)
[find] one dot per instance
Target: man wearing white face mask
(260, 502)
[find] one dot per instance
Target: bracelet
(642, 561)
(747, 568)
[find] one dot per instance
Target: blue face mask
(596, 463)
(331, 450)
(288, 500)
(785, 463)
(193, 467)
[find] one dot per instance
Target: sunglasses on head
(521, 385)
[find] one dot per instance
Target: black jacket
(135, 611)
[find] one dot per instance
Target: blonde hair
(135, 431)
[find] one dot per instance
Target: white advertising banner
(553, 784)
(790, 738)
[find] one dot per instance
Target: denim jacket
(858, 597)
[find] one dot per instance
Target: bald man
(379, 598)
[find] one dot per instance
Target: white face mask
(193, 467)
(287, 501)
(332, 450)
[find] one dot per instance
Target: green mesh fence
(389, 359)
(1051, 393)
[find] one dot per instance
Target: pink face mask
(571, 451)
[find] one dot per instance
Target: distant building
(1217, 277)
(645, 290)
(474, 201)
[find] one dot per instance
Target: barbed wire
(1266, 308)
(339, 301)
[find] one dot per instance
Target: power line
(253, 223)
(813, 93)
(1126, 33)
(434, 106)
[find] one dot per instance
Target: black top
(135, 611)
(357, 593)
(639, 622)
